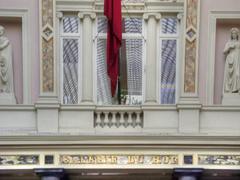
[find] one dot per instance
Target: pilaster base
(231, 99)
(7, 98)
(189, 114)
(47, 115)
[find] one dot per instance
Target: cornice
(104, 141)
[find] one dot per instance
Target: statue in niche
(232, 64)
(6, 70)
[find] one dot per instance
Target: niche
(223, 34)
(13, 32)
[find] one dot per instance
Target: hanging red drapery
(112, 10)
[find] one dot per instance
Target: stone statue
(6, 70)
(232, 64)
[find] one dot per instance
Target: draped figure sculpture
(232, 64)
(6, 70)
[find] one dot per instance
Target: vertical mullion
(79, 61)
(177, 63)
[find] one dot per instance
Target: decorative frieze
(47, 46)
(176, 160)
(10, 160)
(222, 160)
(119, 159)
(191, 29)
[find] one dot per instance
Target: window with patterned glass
(130, 89)
(169, 40)
(70, 59)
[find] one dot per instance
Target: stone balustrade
(118, 117)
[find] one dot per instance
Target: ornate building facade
(176, 114)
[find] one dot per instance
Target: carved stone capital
(59, 14)
(157, 16)
(180, 16)
(92, 15)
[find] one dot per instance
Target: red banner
(112, 10)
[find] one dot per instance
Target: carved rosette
(47, 46)
(191, 46)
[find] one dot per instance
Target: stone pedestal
(231, 99)
(7, 98)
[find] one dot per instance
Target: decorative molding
(92, 15)
(73, 5)
(59, 15)
(113, 159)
(191, 34)
(146, 16)
(27, 54)
(180, 16)
(47, 32)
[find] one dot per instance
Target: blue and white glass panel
(168, 71)
(134, 70)
(130, 62)
(169, 25)
(70, 25)
(103, 82)
(70, 71)
(132, 25)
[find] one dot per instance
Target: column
(50, 174)
(150, 120)
(187, 174)
(151, 60)
(87, 57)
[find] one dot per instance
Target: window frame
(101, 35)
(61, 37)
(160, 37)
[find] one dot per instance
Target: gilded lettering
(135, 159)
(156, 160)
(165, 159)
